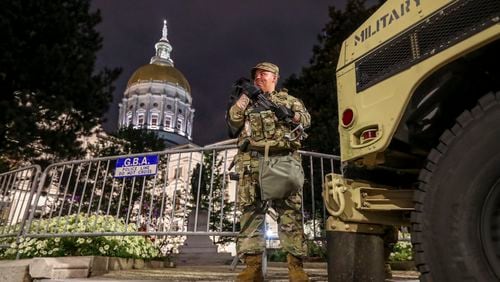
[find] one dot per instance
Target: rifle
(262, 103)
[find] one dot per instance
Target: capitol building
(158, 98)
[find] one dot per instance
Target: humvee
(419, 123)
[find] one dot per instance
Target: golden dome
(157, 72)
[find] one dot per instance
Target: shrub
(316, 249)
(117, 246)
(277, 255)
(402, 251)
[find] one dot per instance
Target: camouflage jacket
(262, 128)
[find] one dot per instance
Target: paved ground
(276, 272)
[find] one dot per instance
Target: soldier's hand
(245, 86)
(243, 102)
(251, 90)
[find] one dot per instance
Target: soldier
(261, 134)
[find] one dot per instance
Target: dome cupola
(158, 97)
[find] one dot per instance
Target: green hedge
(116, 246)
(402, 251)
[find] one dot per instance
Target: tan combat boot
(253, 271)
(296, 269)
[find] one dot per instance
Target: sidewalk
(275, 272)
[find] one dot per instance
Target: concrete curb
(26, 270)
(60, 267)
(15, 270)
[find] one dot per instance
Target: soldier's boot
(253, 270)
(296, 271)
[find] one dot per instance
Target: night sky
(214, 43)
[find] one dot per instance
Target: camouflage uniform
(262, 129)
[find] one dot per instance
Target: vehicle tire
(354, 257)
(456, 223)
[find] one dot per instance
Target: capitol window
(167, 121)
(128, 121)
(178, 172)
(154, 120)
(179, 123)
(140, 119)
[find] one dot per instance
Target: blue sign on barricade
(136, 166)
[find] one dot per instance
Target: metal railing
(189, 194)
(17, 188)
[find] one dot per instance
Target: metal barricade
(17, 188)
(84, 198)
(189, 194)
(316, 166)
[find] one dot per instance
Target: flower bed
(402, 251)
(112, 246)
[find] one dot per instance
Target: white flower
(101, 249)
(80, 241)
(89, 240)
(106, 247)
(57, 240)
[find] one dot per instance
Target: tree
(124, 141)
(316, 84)
(127, 140)
(50, 93)
(209, 192)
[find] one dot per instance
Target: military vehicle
(419, 121)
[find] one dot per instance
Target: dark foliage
(316, 84)
(127, 140)
(50, 92)
(209, 188)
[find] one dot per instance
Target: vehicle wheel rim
(490, 228)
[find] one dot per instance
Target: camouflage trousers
(251, 238)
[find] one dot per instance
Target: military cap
(267, 67)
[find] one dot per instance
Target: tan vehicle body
(419, 124)
(382, 105)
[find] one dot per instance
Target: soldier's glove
(247, 88)
(284, 113)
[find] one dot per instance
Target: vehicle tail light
(368, 135)
(347, 117)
